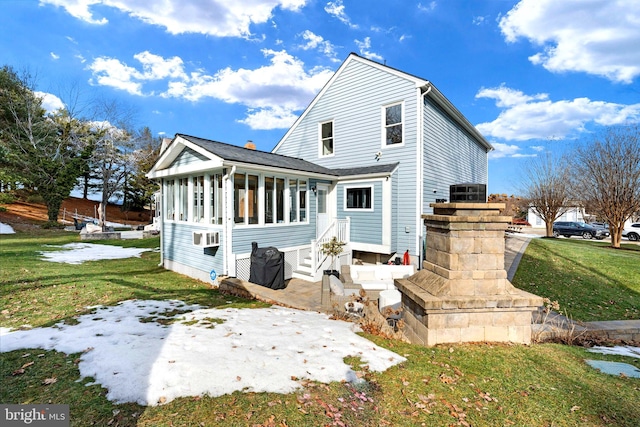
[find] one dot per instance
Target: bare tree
(607, 176)
(546, 188)
(112, 145)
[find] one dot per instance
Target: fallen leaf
(575, 408)
(49, 381)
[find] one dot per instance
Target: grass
(589, 279)
(472, 384)
(42, 293)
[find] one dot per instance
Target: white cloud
(503, 150)
(336, 9)
(269, 118)
(430, 7)
(599, 37)
(213, 17)
(273, 92)
(78, 9)
(111, 72)
(50, 102)
(526, 117)
(537, 148)
(479, 20)
(314, 41)
(54, 56)
(364, 47)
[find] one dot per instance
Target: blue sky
(532, 75)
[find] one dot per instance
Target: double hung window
(326, 138)
(393, 124)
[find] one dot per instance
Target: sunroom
(217, 199)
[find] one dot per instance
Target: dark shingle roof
(234, 153)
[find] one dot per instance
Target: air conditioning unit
(206, 239)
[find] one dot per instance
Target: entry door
(322, 209)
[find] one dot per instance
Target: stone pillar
(462, 293)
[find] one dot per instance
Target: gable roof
(230, 155)
(426, 87)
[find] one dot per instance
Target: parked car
(600, 225)
(632, 232)
(570, 228)
(520, 221)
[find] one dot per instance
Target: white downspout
(162, 224)
(228, 222)
(420, 169)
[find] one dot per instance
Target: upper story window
(359, 198)
(326, 138)
(393, 117)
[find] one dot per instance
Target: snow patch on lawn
(142, 351)
(77, 253)
(6, 229)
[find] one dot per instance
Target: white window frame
(199, 213)
(358, 186)
(384, 124)
(321, 139)
(170, 199)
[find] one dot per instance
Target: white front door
(322, 209)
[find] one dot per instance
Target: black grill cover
(267, 267)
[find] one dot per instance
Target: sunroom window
(170, 199)
(245, 189)
(198, 198)
(183, 198)
(297, 200)
(216, 199)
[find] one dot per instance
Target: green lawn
(473, 384)
(589, 279)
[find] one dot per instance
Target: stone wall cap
(459, 205)
(479, 218)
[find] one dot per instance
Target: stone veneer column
(462, 292)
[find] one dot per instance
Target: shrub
(36, 199)
(7, 198)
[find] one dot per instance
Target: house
(574, 214)
(363, 162)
